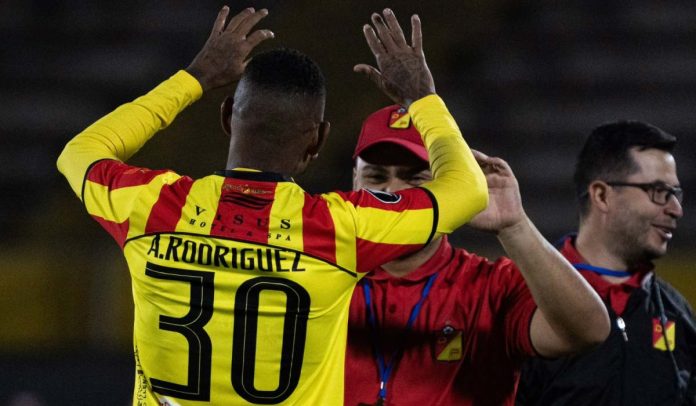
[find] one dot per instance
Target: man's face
(641, 228)
(389, 167)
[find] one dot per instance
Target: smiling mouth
(666, 232)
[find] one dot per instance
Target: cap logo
(399, 119)
(385, 197)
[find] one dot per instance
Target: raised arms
(570, 316)
(121, 133)
(402, 74)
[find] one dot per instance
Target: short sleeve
(518, 309)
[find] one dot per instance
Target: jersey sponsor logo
(248, 259)
(399, 119)
(245, 189)
(385, 197)
(245, 200)
(235, 225)
(659, 335)
(448, 345)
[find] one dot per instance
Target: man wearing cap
(443, 326)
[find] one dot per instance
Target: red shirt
(466, 345)
(615, 294)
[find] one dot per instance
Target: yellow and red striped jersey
(241, 280)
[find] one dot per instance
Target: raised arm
(570, 315)
(402, 74)
(121, 133)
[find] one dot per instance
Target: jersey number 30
(246, 316)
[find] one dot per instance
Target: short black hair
(605, 155)
(287, 71)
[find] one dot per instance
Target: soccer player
(443, 326)
(630, 200)
(241, 280)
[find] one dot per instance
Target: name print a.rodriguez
(253, 258)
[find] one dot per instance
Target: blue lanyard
(602, 271)
(386, 370)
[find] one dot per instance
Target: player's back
(241, 280)
(238, 295)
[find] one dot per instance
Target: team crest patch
(448, 345)
(399, 119)
(659, 337)
(385, 197)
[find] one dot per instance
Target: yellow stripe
(138, 219)
(406, 227)
(132, 203)
(111, 208)
(344, 216)
(198, 213)
(287, 212)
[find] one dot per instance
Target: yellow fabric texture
(458, 183)
(116, 137)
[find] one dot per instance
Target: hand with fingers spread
(401, 73)
(222, 59)
(504, 204)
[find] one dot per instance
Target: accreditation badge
(659, 336)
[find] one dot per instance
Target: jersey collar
(571, 253)
(254, 175)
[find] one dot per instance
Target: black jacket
(624, 372)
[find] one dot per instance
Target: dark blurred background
(526, 81)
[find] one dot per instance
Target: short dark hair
(287, 71)
(606, 156)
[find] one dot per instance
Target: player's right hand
(225, 54)
(401, 73)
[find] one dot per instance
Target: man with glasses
(630, 201)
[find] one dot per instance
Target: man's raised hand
(224, 56)
(401, 73)
(505, 204)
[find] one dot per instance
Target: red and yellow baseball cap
(391, 124)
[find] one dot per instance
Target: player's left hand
(505, 203)
(402, 72)
(225, 54)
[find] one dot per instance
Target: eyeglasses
(659, 192)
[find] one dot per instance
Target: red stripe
(244, 210)
(115, 174)
(409, 199)
(117, 230)
(318, 230)
(166, 212)
(371, 254)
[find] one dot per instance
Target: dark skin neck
(271, 131)
(251, 152)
